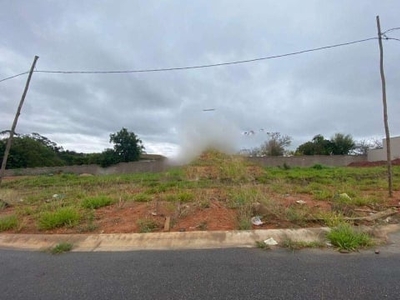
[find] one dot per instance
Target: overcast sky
(322, 92)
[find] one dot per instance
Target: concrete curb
(170, 240)
(158, 240)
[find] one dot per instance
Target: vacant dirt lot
(217, 192)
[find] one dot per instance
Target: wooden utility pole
(385, 115)
(9, 141)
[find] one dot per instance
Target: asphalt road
(200, 274)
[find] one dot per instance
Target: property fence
(308, 160)
(163, 165)
(121, 168)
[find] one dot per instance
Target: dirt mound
(395, 162)
(212, 164)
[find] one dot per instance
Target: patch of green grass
(185, 197)
(354, 200)
(9, 197)
(262, 245)
(157, 189)
(8, 223)
(24, 211)
(243, 196)
(345, 237)
(297, 214)
(61, 248)
(319, 167)
(96, 202)
(331, 218)
(204, 203)
(142, 197)
(235, 169)
(298, 245)
(66, 216)
(244, 217)
(324, 194)
(88, 223)
(171, 198)
(147, 225)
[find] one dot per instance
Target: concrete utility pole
(385, 115)
(9, 141)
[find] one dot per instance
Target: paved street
(200, 274)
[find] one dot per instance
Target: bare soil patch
(395, 162)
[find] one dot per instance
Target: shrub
(244, 217)
(142, 198)
(66, 216)
(96, 202)
(147, 225)
(185, 197)
(318, 167)
(346, 238)
(8, 223)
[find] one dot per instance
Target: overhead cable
(11, 77)
(201, 66)
(209, 65)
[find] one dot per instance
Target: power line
(209, 65)
(202, 66)
(11, 77)
(391, 29)
(389, 38)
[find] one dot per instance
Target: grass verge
(345, 237)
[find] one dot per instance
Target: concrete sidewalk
(173, 240)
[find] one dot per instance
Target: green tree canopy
(127, 146)
(34, 150)
(342, 144)
(339, 144)
(29, 151)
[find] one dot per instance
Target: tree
(342, 144)
(34, 150)
(29, 151)
(361, 147)
(339, 144)
(127, 146)
(307, 148)
(275, 146)
(317, 146)
(107, 158)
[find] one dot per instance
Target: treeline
(339, 144)
(34, 150)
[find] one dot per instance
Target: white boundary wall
(380, 154)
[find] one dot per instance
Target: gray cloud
(319, 92)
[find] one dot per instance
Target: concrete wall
(121, 168)
(162, 165)
(380, 154)
(308, 160)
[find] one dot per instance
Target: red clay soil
(123, 218)
(395, 162)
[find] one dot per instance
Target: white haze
(206, 131)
